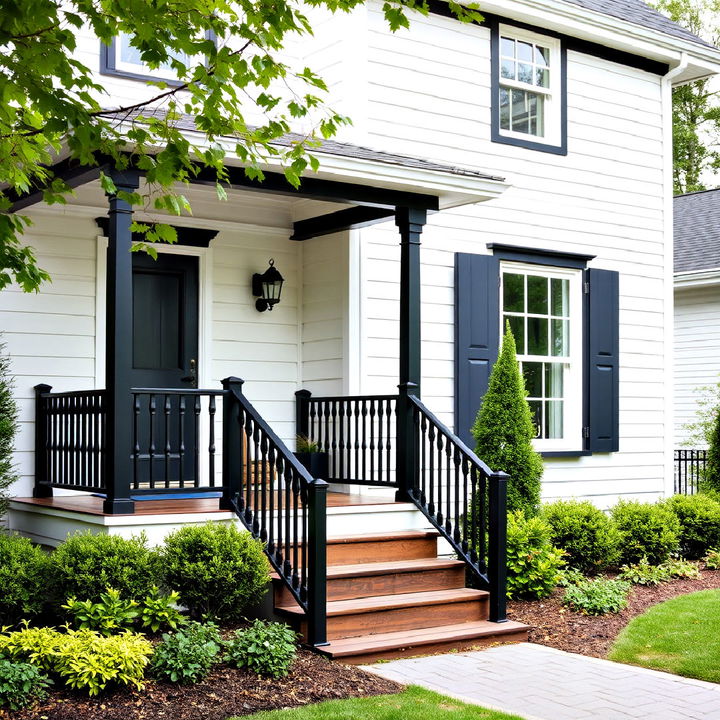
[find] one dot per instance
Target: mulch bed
(224, 693)
(554, 625)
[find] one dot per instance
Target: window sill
(498, 137)
(564, 453)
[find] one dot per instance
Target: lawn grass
(680, 636)
(415, 703)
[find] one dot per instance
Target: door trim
(205, 298)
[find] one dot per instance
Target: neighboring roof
(332, 147)
(697, 231)
(637, 12)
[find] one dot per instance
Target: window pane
(525, 73)
(513, 292)
(542, 77)
(560, 292)
(536, 413)
(537, 336)
(560, 340)
(507, 47)
(537, 295)
(554, 380)
(532, 371)
(520, 111)
(526, 112)
(517, 327)
(128, 53)
(504, 109)
(554, 419)
(542, 55)
(507, 70)
(525, 51)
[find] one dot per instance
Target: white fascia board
(697, 278)
(612, 32)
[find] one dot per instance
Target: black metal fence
(689, 468)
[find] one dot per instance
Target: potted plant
(308, 453)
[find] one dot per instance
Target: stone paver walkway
(541, 683)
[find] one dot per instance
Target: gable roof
(697, 231)
(637, 12)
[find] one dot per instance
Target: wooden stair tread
(394, 566)
(393, 602)
(379, 537)
(423, 636)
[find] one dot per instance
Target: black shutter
(477, 322)
(602, 361)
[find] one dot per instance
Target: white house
(697, 305)
(525, 166)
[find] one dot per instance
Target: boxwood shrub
(586, 534)
(699, 517)
(217, 570)
(646, 530)
(23, 578)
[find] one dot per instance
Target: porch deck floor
(92, 505)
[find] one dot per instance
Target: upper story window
(528, 87)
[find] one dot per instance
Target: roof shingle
(697, 231)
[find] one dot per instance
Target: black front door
(165, 356)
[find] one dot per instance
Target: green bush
(504, 430)
(217, 570)
(586, 534)
(710, 479)
(533, 564)
(160, 612)
(646, 530)
(23, 570)
(85, 565)
(83, 659)
(712, 559)
(679, 568)
(21, 684)
(570, 576)
(644, 573)
(187, 655)
(598, 596)
(8, 430)
(267, 648)
(699, 517)
(110, 614)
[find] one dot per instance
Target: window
(528, 89)
(544, 311)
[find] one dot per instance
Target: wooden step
(382, 547)
(391, 613)
(346, 582)
(390, 645)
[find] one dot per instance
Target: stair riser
(381, 551)
(430, 649)
(395, 620)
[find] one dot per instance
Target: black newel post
(232, 444)
(41, 489)
(410, 223)
(118, 347)
(317, 563)
(497, 545)
(302, 412)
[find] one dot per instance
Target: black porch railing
(689, 467)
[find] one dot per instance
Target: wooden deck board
(92, 505)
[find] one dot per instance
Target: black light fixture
(267, 288)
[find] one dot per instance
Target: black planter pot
(316, 463)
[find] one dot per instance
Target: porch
(157, 455)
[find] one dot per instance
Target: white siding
(697, 351)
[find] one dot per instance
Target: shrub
(710, 479)
(643, 573)
(8, 430)
(84, 659)
(110, 614)
(23, 569)
(570, 576)
(267, 648)
(598, 596)
(217, 570)
(712, 559)
(158, 612)
(187, 655)
(646, 530)
(586, 534)
(85, 565)
(677, 568)
(504, 430)
(21, 684)
(699, 517)
(533, 564)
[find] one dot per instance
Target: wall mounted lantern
(267, 288)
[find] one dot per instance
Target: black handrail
(464, 500)
(279, 502)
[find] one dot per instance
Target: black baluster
(263, 488)
(356, 439)
(197, 409)
(295, 535)
(340, 474)
(166, 413)
(448, 486)
(431, 479)
(212, 410)
(151, 449)
(466, 508)
(380, 444)
(456, 523)
(372, 440)
(136, 440)
(363, 443)
(389, 419)
(287, 566)
(181, 440)
(423, 459)
(439, 496)
(270, 492)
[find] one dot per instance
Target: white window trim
(552, 120)
(573, 381)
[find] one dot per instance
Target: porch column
(410, 224)
(118, 347)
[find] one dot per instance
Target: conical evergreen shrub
(503, 431)
(711, 475)
(8, 428)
